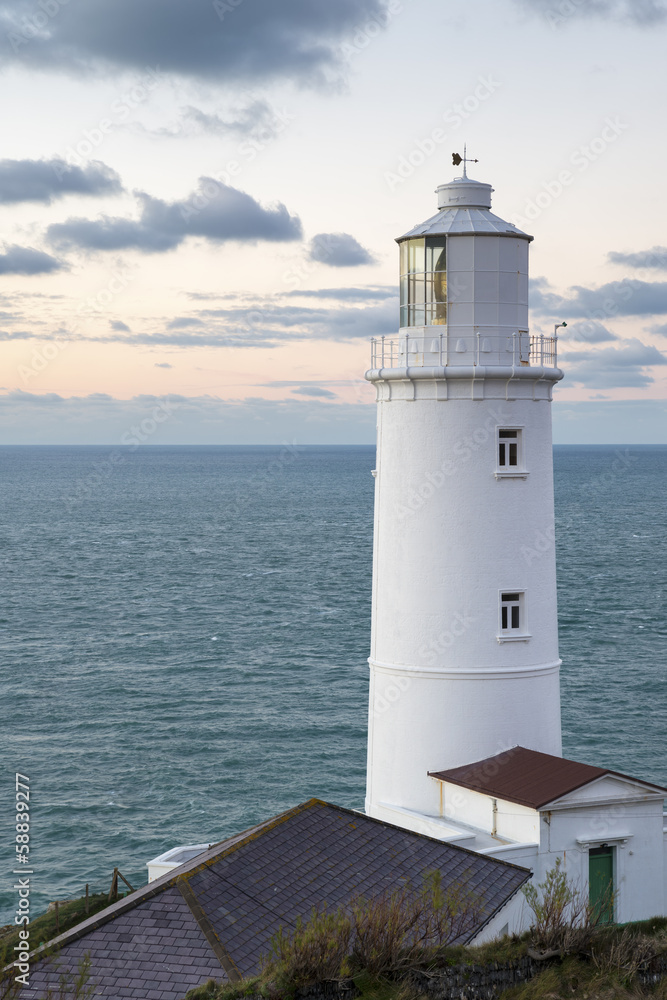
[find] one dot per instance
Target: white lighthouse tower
(464, 649)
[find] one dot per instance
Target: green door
(601, 883)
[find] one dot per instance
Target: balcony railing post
(407, 350)
(383, 350)
(440, 355)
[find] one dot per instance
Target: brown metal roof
(528, 777)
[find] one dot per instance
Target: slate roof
(528, 777)
(214, 917)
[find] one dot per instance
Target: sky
(200, 200)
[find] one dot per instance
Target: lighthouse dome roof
(464, 207)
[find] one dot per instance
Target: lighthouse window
(510, 612)
(509, 445)
(424, 282)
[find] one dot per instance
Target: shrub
(315, 951)
(385, 935)
(403, 930)
(564, 919)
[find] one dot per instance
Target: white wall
(449, 537)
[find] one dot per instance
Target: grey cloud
(181, 322)
(251, 119)
(614, 367)
(258, 115)
(162, 364)
(215, 211)
(644, 13)
(47, 180)
(347, 294)
(265, 327)
(29, 418)
(628, 297)
(612, 422)
(25, 260)
(279, 323)
(314, 390)
(656, 258)
(589, 330)
(119, 326)
(338, 250)
(212, 39)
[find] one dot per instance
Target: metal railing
(423, 351)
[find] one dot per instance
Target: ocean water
(185, 633)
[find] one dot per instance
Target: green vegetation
(388, 944)
(43, 928)
(42, 931)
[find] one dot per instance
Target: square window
(509, 452)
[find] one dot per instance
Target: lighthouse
(464, 647)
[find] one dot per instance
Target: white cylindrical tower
(464, 647)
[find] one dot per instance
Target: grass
(43, 929)
(577, 978)
(607, 972)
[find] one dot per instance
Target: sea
(185, 633)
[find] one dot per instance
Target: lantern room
(464, 286)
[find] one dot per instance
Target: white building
(464, 722)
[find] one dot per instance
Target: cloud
(181, 322)
(347, 294)
(338, 250)
(644, 13)
(257, 118)
(628, 297)
(25, 260)
(215, 211)
(656, 257)
(47, 180)
(274, 323)
(255, 42)
(162, 364)
(589, 330)
(261, 327)
(314, 390)
(614, 367)
(610, 422)
(28, 418)
(119, 326)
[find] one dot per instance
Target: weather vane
(457, 158)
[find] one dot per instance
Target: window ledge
(519, 474)
(524, 637)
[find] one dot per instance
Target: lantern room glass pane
(423, 282)
(416, 256)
